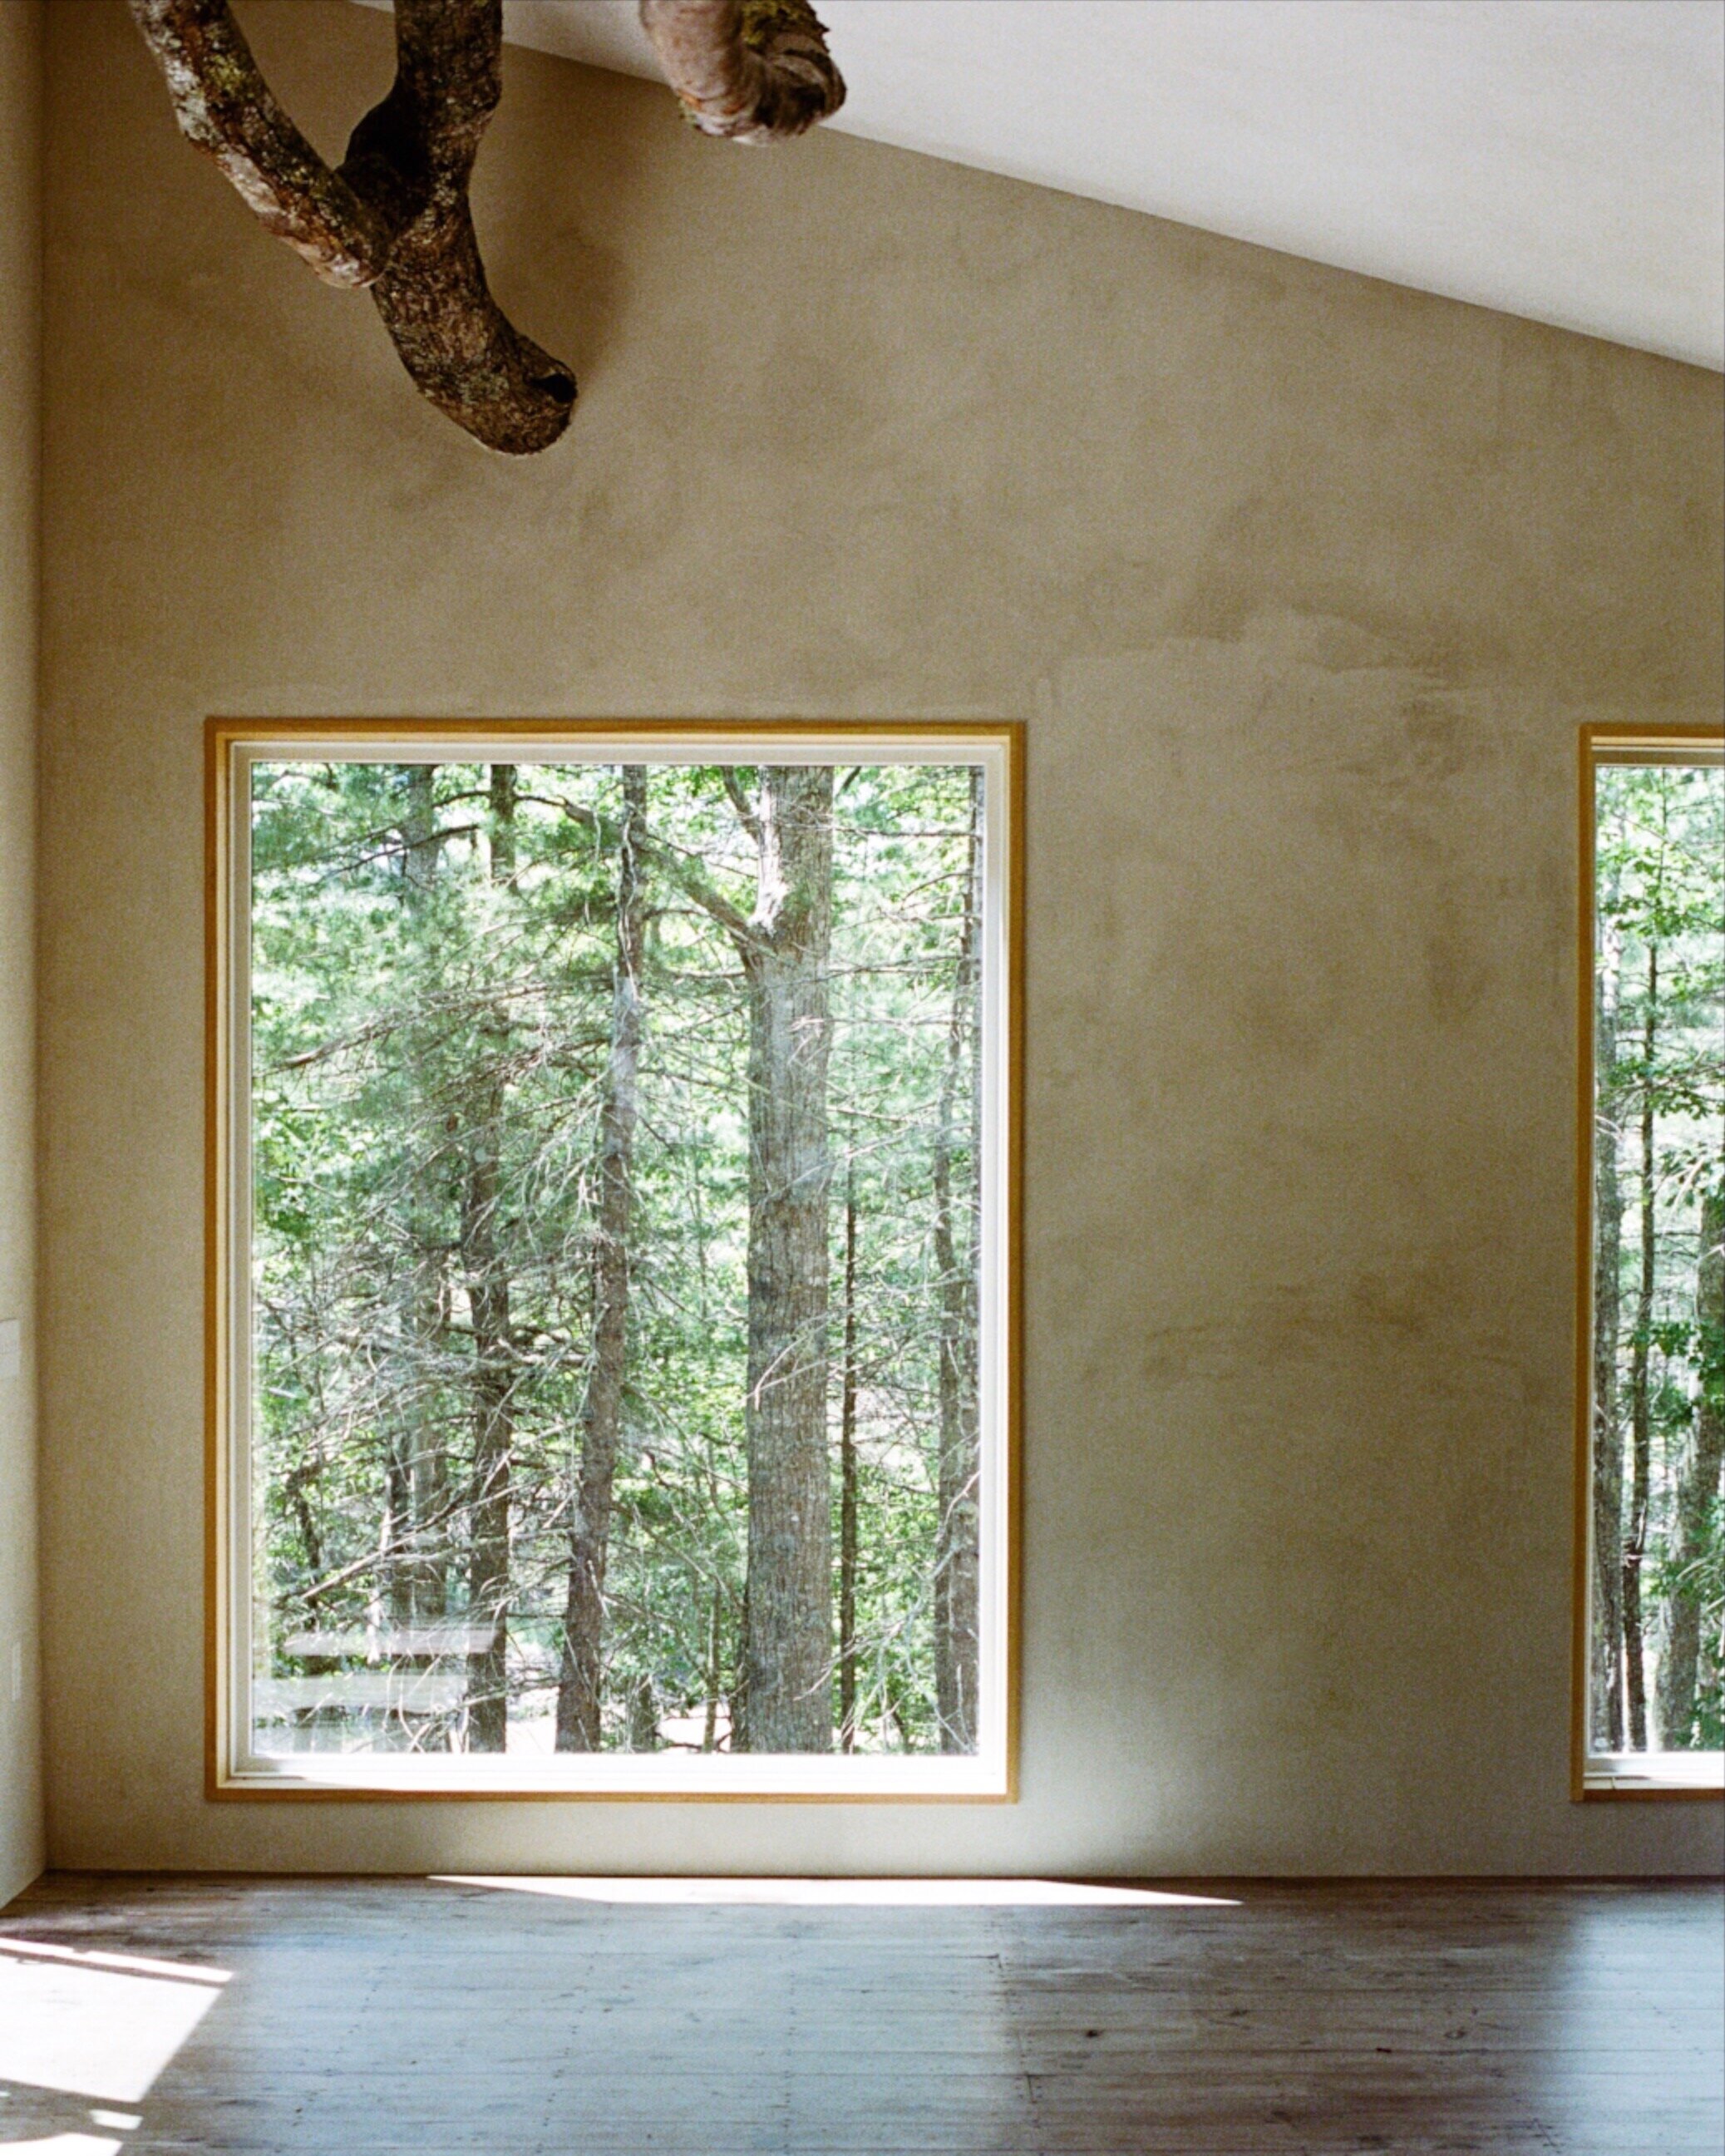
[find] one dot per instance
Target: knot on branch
(752, 71)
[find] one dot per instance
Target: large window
(1650, 1644)
(612, 1291)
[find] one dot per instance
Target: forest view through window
(618, 1299)
(1656, 1594)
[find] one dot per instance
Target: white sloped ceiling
(1561, 159)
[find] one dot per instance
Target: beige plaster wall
(21, 1835)
(1304, 584)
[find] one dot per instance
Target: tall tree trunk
(737, 1699)
(1698, 1485)
(643, 1715)
(715, 1639)
(489, 1296)
(788, 1639)
(485, 1263)
(957, 1551)
(782, 1699)
(580, 1683)
(417, 1476)
(1606, 1719)
(1635, 1541)
(848, 1519)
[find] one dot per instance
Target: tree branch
(740, 803)
(225, 107)
(677, 868)
(416, 150)
(751, 70)
(395, 216)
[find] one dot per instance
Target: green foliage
(1661, 1105)
(429, 992)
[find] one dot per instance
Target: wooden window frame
(231, 1772)
(1616, 1777)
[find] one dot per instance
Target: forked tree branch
(395, 216)
(226, 108)
(752, 70)
(684, 870)
(740, 803)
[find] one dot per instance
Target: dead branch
(226, 108)
(752, 70)
(395, 217)
(416, 150)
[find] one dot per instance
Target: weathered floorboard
(366, 2017)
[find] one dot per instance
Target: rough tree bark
(486, 1264)
(1634, 1538)
(787, 1648)
(752, 70)
(957, 1550)
(580, 1684)
(395, 216)
(1607, 1715)
(1698, 1485)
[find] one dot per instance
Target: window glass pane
(616, 1212)
(1657, 1677)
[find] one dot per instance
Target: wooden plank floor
(354, 2017)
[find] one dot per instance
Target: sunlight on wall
(854, 1894)
(94, 2025)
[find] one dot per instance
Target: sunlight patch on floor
(101, 2026)
(850, 1893)
(64, 2144)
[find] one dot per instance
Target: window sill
(1660, 1775)
(663, 1778)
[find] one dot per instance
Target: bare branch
(752, 70)
(740, 803)
(395, 216)
(416, 150)
(226, 108)
(692, 878)
(684, 870)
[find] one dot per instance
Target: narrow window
(611, 1311)
(1650, 1674)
